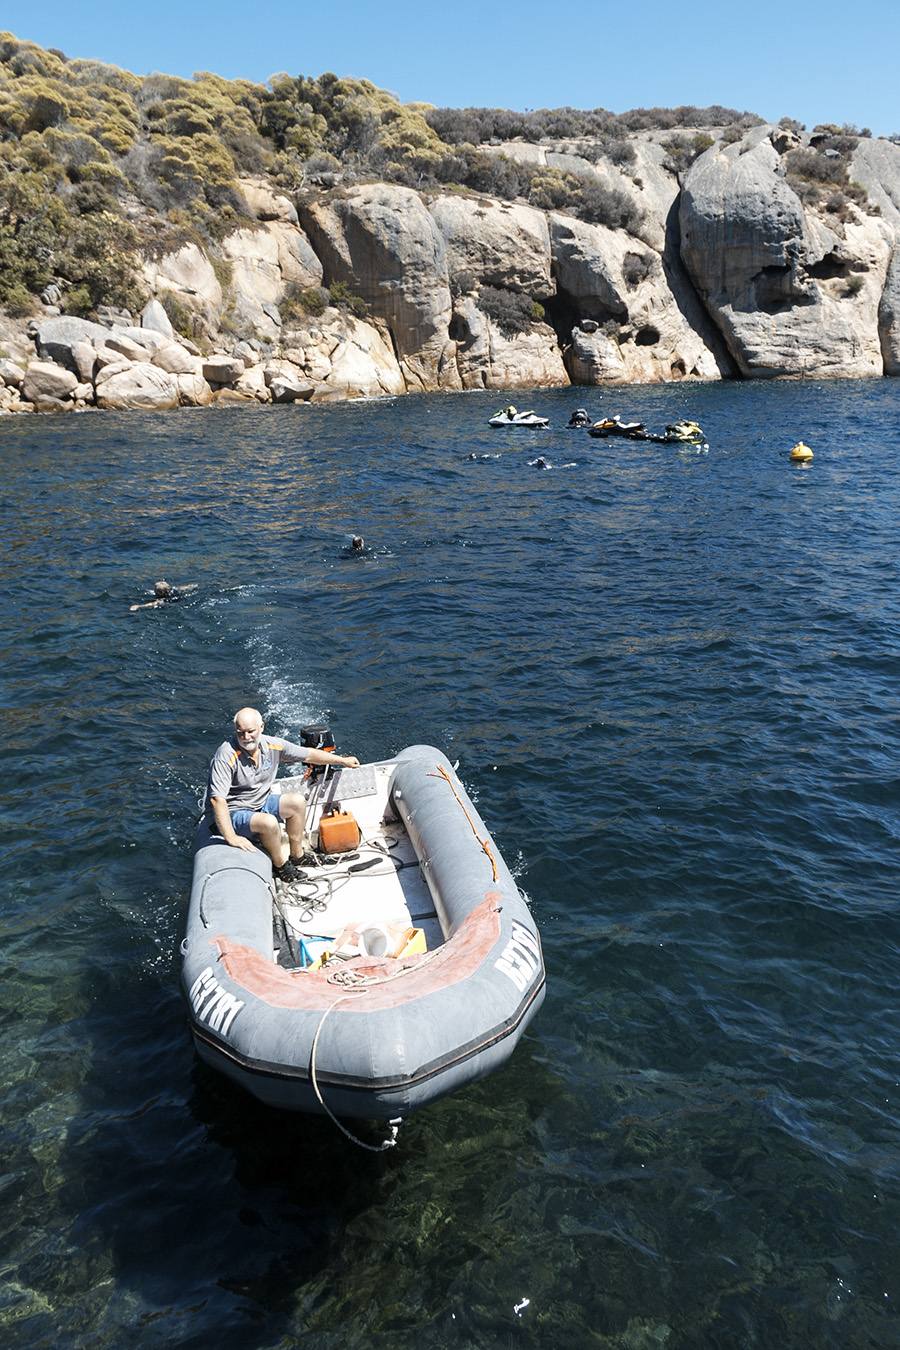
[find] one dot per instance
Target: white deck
(388, 888)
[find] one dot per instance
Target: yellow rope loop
(442, 772)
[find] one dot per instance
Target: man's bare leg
(292, 809)
(268, 830)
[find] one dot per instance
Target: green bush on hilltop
(820, 174)
(475, 126)
(681, 151)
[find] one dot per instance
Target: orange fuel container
(338, 833)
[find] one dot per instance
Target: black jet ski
(614, 426)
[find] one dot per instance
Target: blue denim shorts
(240, 819)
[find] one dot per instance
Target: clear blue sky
(817, 62)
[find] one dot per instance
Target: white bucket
(376, 941)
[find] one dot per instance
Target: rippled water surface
(670, 678)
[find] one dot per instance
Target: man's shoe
(305, 860)
(289, 872)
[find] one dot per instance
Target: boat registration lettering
(520, 957)
(213, 1004)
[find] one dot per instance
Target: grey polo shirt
(245, 785)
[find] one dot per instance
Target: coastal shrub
(100, 258)
(636, 267)
(686, 115)
(224, 272)
(322, 164)
(227, 322)
(834, 143)
(15, 298)
(810, 193)
(77, 300)
(511, 311)
(821, 174)
(78, 137)
(194, 160)
(814, 167)
(681, 151)
(29, 239)
(601, 205)
(461, 283)
(838, 205)
(480, 126)
(339, 294)
(619, 150)
(491, 175)
(180, 317)
(87, 197)
(98, 171)
(552, 189)
(476, 126)
(289, 306)
(315, 300)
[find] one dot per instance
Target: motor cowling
(317, 737)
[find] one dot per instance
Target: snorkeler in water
(165, 595)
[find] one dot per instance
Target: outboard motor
(317, 737)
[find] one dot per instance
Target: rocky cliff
(768, 255)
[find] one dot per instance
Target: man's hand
(314, 756)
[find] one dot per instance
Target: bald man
(239, 795)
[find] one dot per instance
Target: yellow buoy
(801, 452)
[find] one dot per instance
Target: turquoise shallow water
(671, 682)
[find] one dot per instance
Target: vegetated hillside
(98, 165)
(327, 241)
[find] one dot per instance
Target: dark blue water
(671, 682)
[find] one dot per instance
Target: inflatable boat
(404, 964)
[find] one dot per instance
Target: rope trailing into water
(362, 983)
(442, 773)
(394, 1124)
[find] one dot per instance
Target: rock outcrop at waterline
(728, 273)
(789, 292)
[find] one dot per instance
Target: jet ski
(678, 433)
(685, 430)
(509, 417)
(579, 418)
(614, 426)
